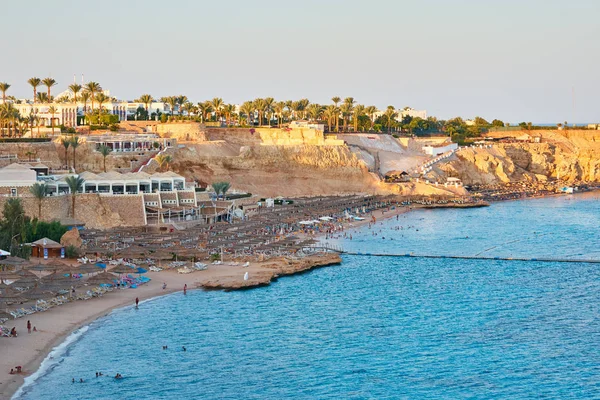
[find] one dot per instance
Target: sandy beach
(55, 324)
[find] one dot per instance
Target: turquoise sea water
(373, 328)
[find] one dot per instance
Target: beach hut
(47, 248)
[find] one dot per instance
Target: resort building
(405, 112)
(50, 114)
(440, 149)
(131, 142)
(115, 183)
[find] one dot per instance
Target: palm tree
(172, 102)
(34, 82)
(220, 188)
(75, 184)
(39, 191)
(330, 112)
(43, 98)
(75, 142)
(105, 151)
(228, 110)
(247, 108)
(181, 100)
(52, 110)
(370, 111)
(390, 114)
(49, 82)
(163, 159)
(315, 111)
(75, 88)
(146, 99)
(260, 105)
(359, 111)
(204, 109)
(3, 88)
(85, 97)
(336, 100)
(216, 104)
(92, 88)
(101, 98)
(279, 107)
(189, 108)
(270, 104)
(66, 143)
(346, 111)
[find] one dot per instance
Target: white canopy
(325, 218)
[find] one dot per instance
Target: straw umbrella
(10, 296)
(25, 282)
(101, 279)
(5, 315)
(38, 292)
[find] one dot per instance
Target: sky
(516, 60)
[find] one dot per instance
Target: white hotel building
(66, 113)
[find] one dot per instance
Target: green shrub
(71, 251)
(114, 127)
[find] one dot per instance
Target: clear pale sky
(517, 60)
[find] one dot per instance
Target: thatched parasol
(122, 269)
(84, 269)
(13, 261)
(10, 296)
(38, 292)
(5, 315)
(25, 282)
(101, 279)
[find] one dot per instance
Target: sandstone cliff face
(278, 170)
(571, 155)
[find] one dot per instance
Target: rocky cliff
(570, 155)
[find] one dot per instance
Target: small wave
(53, 358)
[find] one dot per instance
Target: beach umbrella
(45, 267)
(38, 292)
(122, 269)
(101, 279)
(5, 315)
(13, 261)
(25, 282)
(141, 270)
(10, 296)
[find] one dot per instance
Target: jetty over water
(339, 250)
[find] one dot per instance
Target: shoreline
(57, 324)
(32, 349)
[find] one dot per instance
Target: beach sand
(55, 324)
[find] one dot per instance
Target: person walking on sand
(137, 302)
(28, 326)
(164, 285)
(185, 289)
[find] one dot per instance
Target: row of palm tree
(41, 190)
(73, 142)
(261, 111)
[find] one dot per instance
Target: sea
(372, 327)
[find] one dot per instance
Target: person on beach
(164, 285)
(137, 302)
(185, 289)
(12, 371)
(13, 332)
(28, 326)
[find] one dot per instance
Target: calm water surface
(374, 328)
